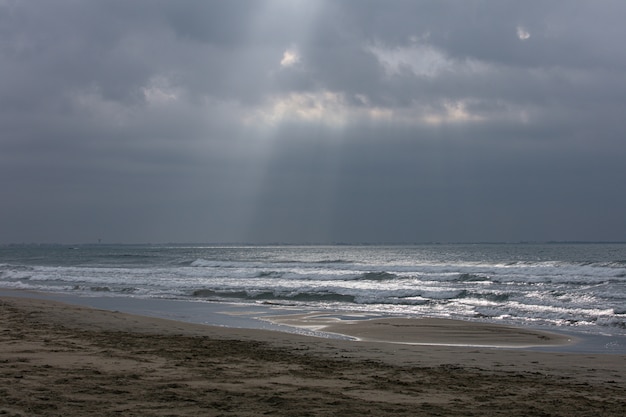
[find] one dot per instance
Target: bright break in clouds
(325, 121)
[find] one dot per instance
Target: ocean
(574, 287)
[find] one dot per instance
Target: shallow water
(248, 316)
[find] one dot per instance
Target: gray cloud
(297, 121)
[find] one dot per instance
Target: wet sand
(425, 331)
(63, 360)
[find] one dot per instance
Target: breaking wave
(309, 296)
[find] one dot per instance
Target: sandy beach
(63, 360)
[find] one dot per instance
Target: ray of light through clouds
(312, 121)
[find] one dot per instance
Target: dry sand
(63, 360)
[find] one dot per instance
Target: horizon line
(367, 243)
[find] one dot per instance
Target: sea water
(572, 287)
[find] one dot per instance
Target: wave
(315, 296)
(106, 289)
(206, 263)
(332, 261)
(497, 297)
(12, 271)
(206, 293)
(354, 297)
(614, 322)
(310, 296)
(127, 255)
(468, 277)
(270, 274)
(100, 289)
(377, 276)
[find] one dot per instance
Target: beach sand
(63, 360)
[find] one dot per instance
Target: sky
(299, 121)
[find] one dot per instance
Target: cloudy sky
(312, 121)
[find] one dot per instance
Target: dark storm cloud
(308, 121)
